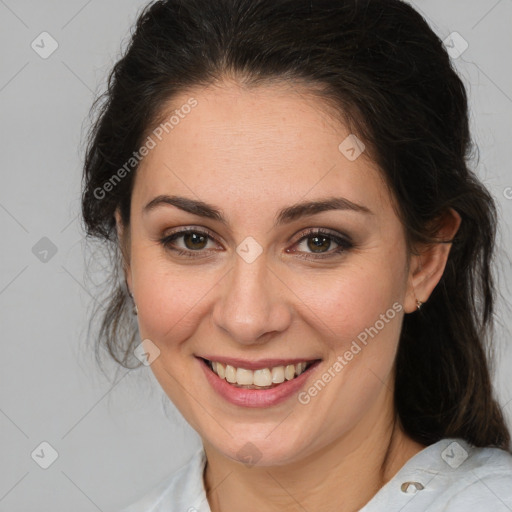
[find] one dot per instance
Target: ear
(124, 242)
(429, 261)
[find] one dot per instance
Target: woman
(307, 253)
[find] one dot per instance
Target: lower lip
(256, 397)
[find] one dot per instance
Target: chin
(264, 452)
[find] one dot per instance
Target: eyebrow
(286, 215)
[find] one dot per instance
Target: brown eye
(195, 241)
(319, 244)
(190, 242)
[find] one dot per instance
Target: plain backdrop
(114, 439)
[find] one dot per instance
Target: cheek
(169, 297)
(357, 313)
(345, 303)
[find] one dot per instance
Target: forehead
(271, 144)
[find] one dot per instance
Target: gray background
(116, 438)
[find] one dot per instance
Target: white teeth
(278, 374)
(263, 377)
(244, 377)
(220, 370)
(289, 372)
(230, 374)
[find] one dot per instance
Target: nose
(252, 303)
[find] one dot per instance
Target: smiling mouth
(263, 378)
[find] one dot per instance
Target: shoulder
(182, 491)
(483, 479)
(450, 475)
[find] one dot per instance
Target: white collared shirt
(448, 476)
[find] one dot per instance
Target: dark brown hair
(392, 81)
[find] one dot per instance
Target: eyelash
(343, 243)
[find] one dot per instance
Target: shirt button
(411, 487)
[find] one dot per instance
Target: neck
(343, 476)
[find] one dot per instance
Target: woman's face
(253, 280)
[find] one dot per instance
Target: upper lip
(259, 363)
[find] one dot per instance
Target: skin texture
(251, 153)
